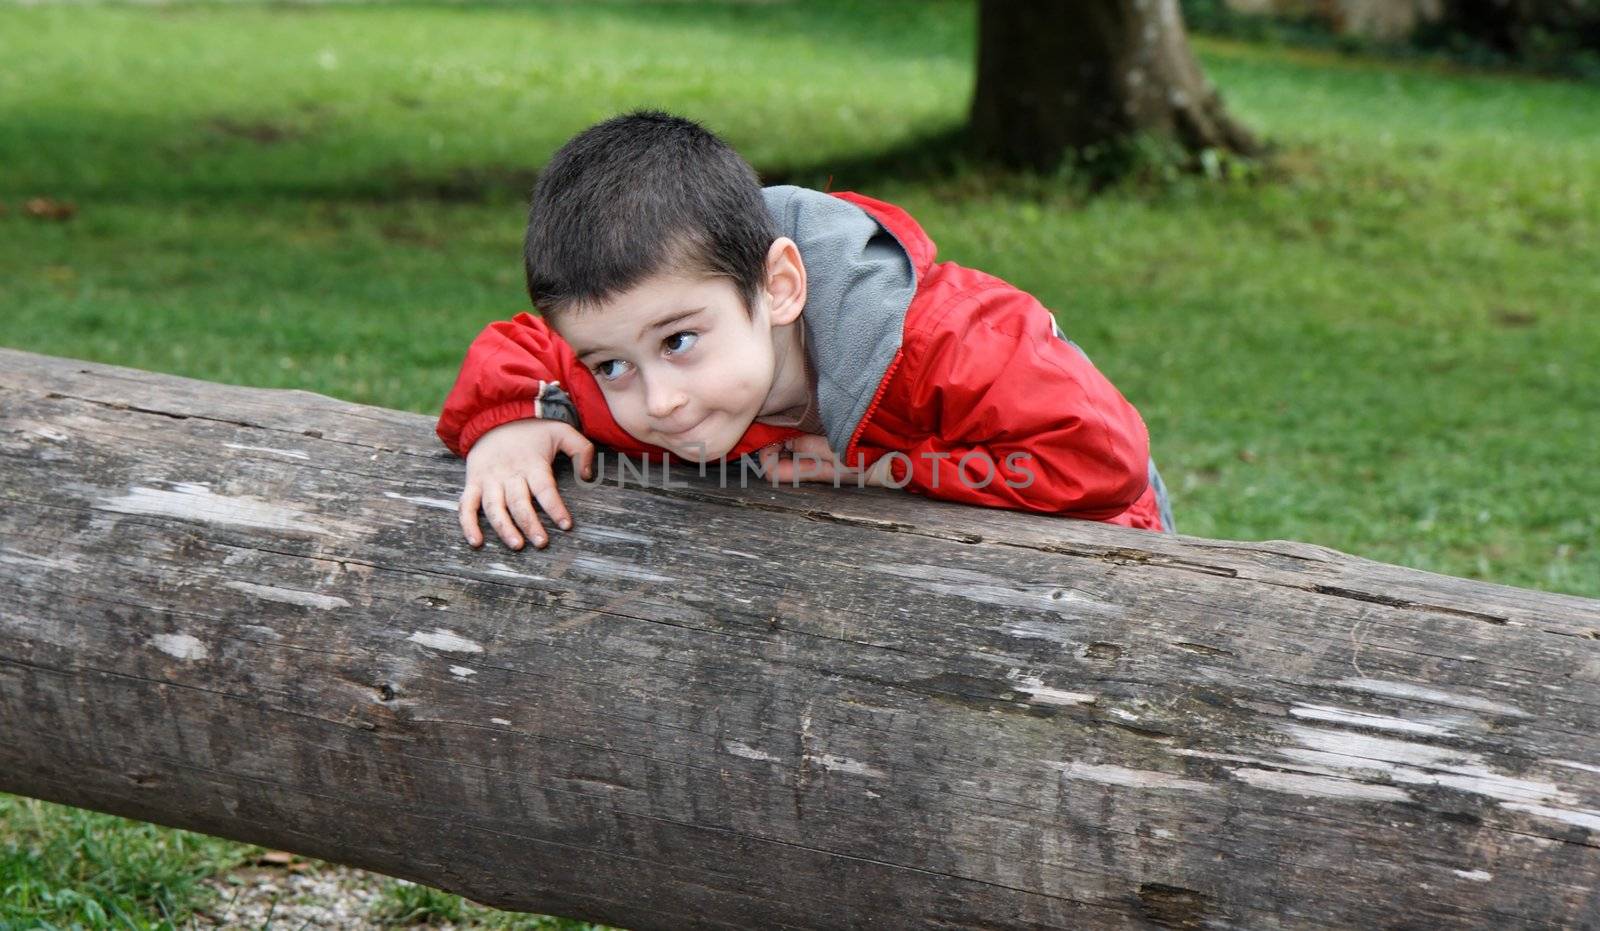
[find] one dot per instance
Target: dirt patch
(261, 132)
(45, 208)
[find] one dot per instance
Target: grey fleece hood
(859, 283)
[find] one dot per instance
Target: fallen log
(249, 613)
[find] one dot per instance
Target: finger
(814, 445)
(794, 471)
(808, 467)
(580, 451)
(544, 489)
(494, 508)
(824, 468)
(467, 514)
(805, 471)
(521, 507)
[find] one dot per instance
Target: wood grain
(249, 612)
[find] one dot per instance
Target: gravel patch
(298, 894)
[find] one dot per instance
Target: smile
(687, 429)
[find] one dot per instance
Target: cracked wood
(249, 612)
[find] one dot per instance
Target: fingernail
(566, 525)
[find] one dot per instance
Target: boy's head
(637, 195)
(650, 250)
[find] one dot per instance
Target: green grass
(1385, 344)
(65, 867)
(409, 904)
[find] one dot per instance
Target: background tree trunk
(1055, 78)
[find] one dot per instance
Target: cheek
(751, 382)
(755, 372)
(736, 385)
(626, 409)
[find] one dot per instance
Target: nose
(662, 398)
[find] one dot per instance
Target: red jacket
(980, 371)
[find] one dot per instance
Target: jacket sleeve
(521, 368)
(1038, 425)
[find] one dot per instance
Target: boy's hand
(809, 458)
(510, 462)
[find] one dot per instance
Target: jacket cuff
(552, 402)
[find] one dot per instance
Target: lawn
(1384, 343)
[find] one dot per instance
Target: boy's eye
(600, 370)
(692, 335)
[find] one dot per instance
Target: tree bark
(249, 613)
(1059, 78)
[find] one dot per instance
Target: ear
(785, 282)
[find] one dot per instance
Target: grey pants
(1161, 499)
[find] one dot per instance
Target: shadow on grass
(937, 156)
(951, 163)
(946, 160)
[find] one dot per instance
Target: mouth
(686, 430)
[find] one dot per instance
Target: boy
(688, 311)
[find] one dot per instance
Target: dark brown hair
(637, 195)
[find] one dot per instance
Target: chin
(713, 452)
(690, 449)
(715, 447)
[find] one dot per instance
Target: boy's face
(681, 364)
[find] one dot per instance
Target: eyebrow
(659, 324)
